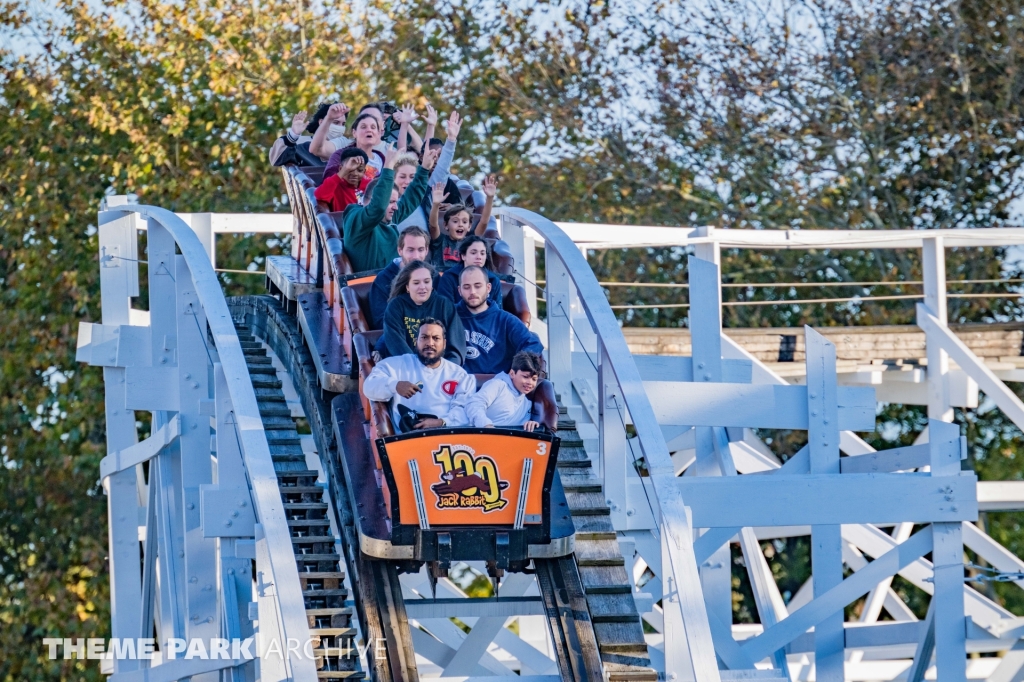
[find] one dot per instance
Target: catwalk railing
(854, 508)
(652, 418)
(621, 391)
(200, 492)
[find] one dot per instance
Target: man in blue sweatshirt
(493, 336)
(412, 245)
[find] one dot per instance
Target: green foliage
(733, 114)
(176, 102)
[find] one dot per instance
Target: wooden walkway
(858, 349)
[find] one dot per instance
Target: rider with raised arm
(370, 229)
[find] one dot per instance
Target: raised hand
(431, 117)
(430, 158)
(407, 114)
(437, 193)
(490, 186)
(390, 156)
(337, 113)
(299, 123)
(454, 125)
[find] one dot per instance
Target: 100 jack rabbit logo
(468, 480)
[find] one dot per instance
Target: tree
(835, 114)
(811, 115)
(176, 102)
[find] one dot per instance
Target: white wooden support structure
(826, 539)
(198, 515)
(829, 414)
(687, 621)
(178, 363)
(706, 324)
(119, 276)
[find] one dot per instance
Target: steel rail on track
(677, 548)
(269, 507)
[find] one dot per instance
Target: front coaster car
(465, 494)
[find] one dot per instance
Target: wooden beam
(850, 589)
(753, 405)
(771, 500)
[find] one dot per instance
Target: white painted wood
(1011, 667)
(230, 468)
(166, 475)
(874, 542)
(416, 587)
(202, 225)
(726, 647)
(826, 540)
(139, 452)
(710, 541)
(948, 566)
(925, 648)
(513, 678)
(991, 551)
(250, 223)
(559, 343)
(771, 607)
(162, 289)
(171, 671)
(677, 550)
(933, 261)
(622, 236)
(905, 459)
(528, 268)
(963, 391)
(995, 389)
(269, 626)
(133, 344)
(1000, 495)
(485, 629)
(614, 464)
(201, 602)
(753, 405)
(680, 368)
(97, 344)
(705, 320)
(152, 389)
(829, 641)
(115, 234)
(855, 498)
(882, 594)
(837, 597)
(950, 637)
(277, 561)
(706, 365)
(438, 652)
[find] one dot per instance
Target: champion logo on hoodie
(449, 387)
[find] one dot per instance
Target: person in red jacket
(338, 191)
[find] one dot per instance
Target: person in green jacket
(371, 228)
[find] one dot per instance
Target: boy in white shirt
(502, 400)
(425, 383)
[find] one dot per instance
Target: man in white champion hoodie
(425, 382)
(502, 400)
